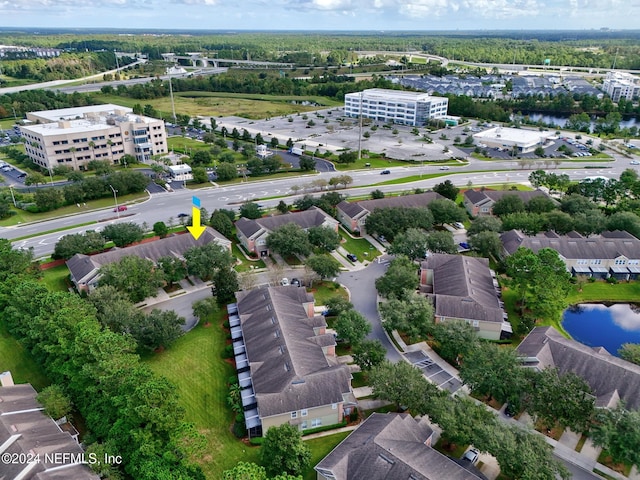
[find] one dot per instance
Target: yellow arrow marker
(195, 229)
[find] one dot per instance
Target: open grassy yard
(17, 360)
(358, 246)
(322, 291)
(56, 278)
(213, 104)
(320, 447)
(605, 292)
(195, 365)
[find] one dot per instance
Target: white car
(285, 282)
(444, 167)
(634, 162)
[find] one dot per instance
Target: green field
(605, 292)
(320, 447)
(56, 278)
(212, 104)
(358, 246)
(17, 360)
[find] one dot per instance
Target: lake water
(598, 325)
(561, 121)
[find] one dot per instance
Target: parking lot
(432, 371)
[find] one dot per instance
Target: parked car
(444, 167)
(120, 208)
(385, 172)
(182, 215)
(464, 245)
(285, 282)
(352, 257)
(458, 225)
(295, 282)
(634, 162)
(471, 455)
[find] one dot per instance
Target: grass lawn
(322, 291)
(506, 186)
(412, 178)
(245, 264)
(320, 448)
(358, 246)
(56, 278)
(216, 106)
(452, 450)
(195, 365)
(605, 459)
(18, 361)
(605, 292)
(360, 379)
(22, 216)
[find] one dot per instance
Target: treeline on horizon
(598, 49)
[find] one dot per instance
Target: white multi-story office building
(621, 85)
(405, 108)
(75, 136)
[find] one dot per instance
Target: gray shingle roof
(391, 447)
(463, 287)
(406, 201)
(289, 370)
(606, 375)
(480, 196)
(82, 265)
(608, 245)
(24, 429)
(313, 217)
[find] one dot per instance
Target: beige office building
(75, 136)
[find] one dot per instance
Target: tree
(101, 167)
(441, 241)
(289, 239)
(337, 304)
(395, 382)
(352, 327)
(447, 189)
(540, 204)
(618, 431)
(204, 309)
(324, 265)
(400, 278)
(282, 207)
(485, 224)
(226, 171)
(411, 315)
(377, 194)
(529, 223)
(201, 157)
(283, 451)
(123, 234)
(35, 178)
(391, 221)
(368, 354)
(508, 204)
(250, 210)
(630, 352)
(205, 260)
(325, 238)
(575, 203)
(85, 243)
(245, 471)
(446, 211)
(200, 175)
(625, 221)
(454, 339)
(160, 229)
(412, 244)
(225, 284)
(55, 401)
(494, 371)
(486, 243)
(347, 157)
(47, 199)
(558, 221)
(575, 409)
(307, 163)
(220, 222)
(136, 277)
(173, 269)
(159, 329)
(114, 309)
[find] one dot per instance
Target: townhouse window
(476, 323)
(304, 412)
(334, 406)
(294, 414)
(316, 422)
(304, 425)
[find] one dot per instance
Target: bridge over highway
(200, 59)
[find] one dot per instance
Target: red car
(121, 208)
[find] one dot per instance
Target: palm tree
(92, 145)
(73, 151)
(110, 144)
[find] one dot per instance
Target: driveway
(182, 305)
(361, 284)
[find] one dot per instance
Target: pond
(598, 325)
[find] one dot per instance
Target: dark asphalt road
(364, 297)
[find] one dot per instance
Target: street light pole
(115, 199)
(12, 196)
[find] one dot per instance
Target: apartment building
(621, 85)
(74, 136)
(404, 108)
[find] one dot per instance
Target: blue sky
(324, 14)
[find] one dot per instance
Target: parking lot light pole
(13, 196)
(115, 199)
